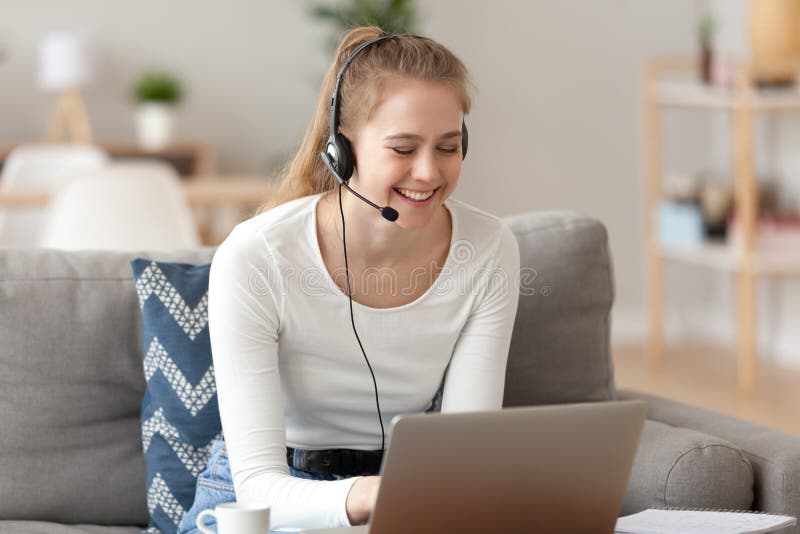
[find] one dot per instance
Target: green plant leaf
(157, 86)
(393, 16)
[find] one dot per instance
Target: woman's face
(408, 154)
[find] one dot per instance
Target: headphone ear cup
(464, 139)
(345, 162)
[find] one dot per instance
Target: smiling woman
(433, 291)
(367, 81)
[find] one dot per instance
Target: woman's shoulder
(485, 246)
(480, 228)
(283, 217)
(283, 222)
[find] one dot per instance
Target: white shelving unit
(745, 261)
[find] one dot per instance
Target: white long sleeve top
(288, 368)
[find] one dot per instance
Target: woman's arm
(245, 300)
(476, 375)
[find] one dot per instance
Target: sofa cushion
(180, 413)
(560, 344)
(71, 386)
(679, 467)
(41, 527)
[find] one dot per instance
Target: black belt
(343, 462)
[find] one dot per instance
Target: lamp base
(69, 117)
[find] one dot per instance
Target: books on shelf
(772, 233)
(655, 521)
(680, 223)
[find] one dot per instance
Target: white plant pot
(155, 125)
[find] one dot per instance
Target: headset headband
(334, 111)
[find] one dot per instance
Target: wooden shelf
(188, 158)
(764, 263)
(693, 94)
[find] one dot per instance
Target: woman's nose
(425, 167)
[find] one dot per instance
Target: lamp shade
(64, 62)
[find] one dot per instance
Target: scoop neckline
(338, 291)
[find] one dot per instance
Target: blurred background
(674, 122)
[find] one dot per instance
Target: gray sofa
(71, 384)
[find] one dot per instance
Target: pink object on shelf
(773, 232)
(723, 72)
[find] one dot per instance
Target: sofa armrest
(775, 456)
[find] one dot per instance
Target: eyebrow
(448, 135)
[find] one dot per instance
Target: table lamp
(65, 67)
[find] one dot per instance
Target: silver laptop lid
(561, 468)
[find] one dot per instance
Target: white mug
(235, 518)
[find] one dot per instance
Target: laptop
(557, 468)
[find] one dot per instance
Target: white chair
(40, 166)
(125, 206)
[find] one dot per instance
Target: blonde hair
(403, 57)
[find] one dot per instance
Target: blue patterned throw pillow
(180, 415)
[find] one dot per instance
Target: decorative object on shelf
(157, 93)
(705, 31)
(680, 223)
(773, 233)
(716, 199)
(768, 196)
(680, 217)
(65, 66)
(775, 41)
(723, 71)
(777, 226)
(393, 16)
(681, 188)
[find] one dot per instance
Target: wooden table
(190, 159)
(240, 194)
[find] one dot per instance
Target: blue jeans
(215, 486)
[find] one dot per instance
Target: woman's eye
(406, 152)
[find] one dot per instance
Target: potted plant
(705, 32)
(157, 94)
(392, 16)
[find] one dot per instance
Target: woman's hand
(361, 499)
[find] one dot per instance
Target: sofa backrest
(560, 348)
(71, 377)
(71, 386)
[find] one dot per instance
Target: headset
(340, 161)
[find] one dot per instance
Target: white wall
(250, 67)
(556, 123)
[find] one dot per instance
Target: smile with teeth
(415, 195)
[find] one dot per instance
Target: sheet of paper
(692, 522)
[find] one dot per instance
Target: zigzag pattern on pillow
(194, 398)
(153, 281)
(180, 416)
